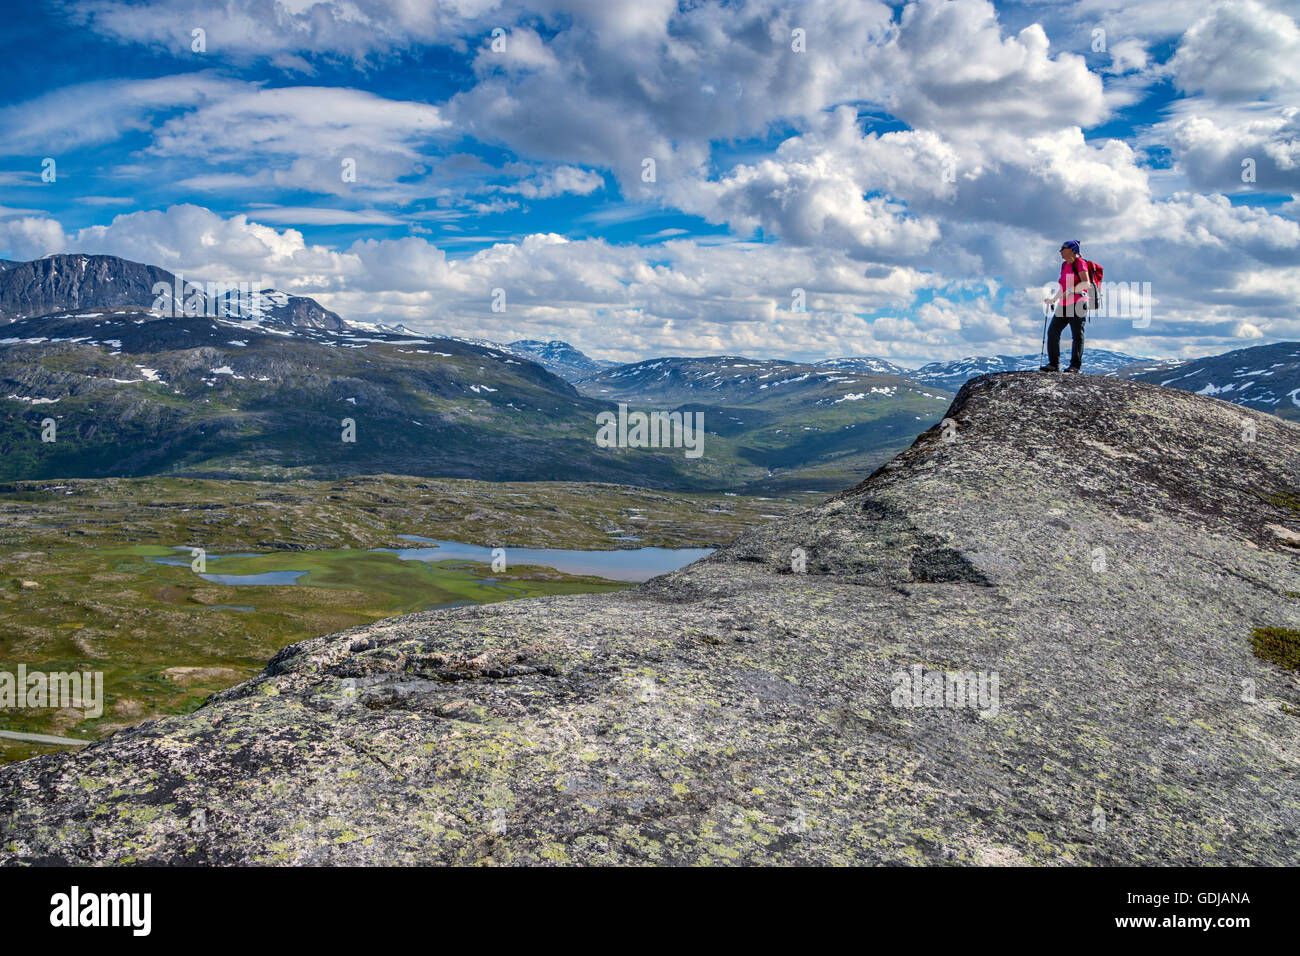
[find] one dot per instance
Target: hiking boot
(1074, 369)
(1050, 368)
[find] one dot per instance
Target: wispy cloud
(322, 216)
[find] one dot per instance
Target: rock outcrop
(1100, 548)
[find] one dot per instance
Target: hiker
(1072, 310)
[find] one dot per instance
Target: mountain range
(263, 391)
(256, 386)
(558, 358)
(956, 373)
(130, 392)
(866, 363)
(134, 393)
(1264, 377)
(58, 283)
(824, 421)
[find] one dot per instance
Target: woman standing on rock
(1072, 311)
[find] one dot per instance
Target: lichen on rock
(1103, 548)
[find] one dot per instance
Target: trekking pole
(1042, 355)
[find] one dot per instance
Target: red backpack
(1095, 273)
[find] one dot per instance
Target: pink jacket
(1080, 282)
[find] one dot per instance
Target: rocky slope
(1103, 547)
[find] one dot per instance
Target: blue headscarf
(1073, 244)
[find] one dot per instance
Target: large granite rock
(1103, 547)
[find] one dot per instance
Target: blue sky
(913, 168)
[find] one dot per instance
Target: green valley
(83, 586)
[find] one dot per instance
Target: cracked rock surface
(1103, 547)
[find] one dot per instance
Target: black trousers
(1074, 316)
